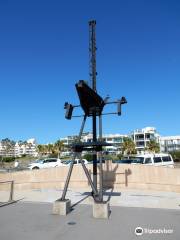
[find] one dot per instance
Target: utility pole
(93, 73)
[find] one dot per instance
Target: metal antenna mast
(92, 53)
(92, 65)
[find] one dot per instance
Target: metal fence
(9, 199)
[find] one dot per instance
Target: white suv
(158, 159)
(45, 163)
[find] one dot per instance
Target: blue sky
(44, 52)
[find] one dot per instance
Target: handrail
(6, 181)
(11, 190)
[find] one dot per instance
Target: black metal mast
(92, 105)
(92, 72)
(92, 53)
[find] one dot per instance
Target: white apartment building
(170, 143)
(115, 139)
(26, 148)
(141, 137)
(18, 149)
(1, 149)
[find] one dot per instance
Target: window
(166, 159)
(148, 160)
(119, 140)
(157, 159)
(139, 137)
(152, 137)
(137, 160)
(139, 144)
(109, 139)
(147, 136)
(39, 161)
(45, 161)
(52, 160)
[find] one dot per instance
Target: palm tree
(7, 149)
(41, 149)
(8, 146)
(128, 146)
(153, 146)
(59, 147)
(50, 148)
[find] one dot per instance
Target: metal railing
(11, 193)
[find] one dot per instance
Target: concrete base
(101, 210)
(62, 207)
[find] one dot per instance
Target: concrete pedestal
(62, 207)
(101, 210)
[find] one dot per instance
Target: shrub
(53, 155)
(119, 156)
(175, 155)
(88, 157)
(8, 159)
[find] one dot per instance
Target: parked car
(158, 159)
(45, 163)
(76, 161)
(91, 162)
(123, 161)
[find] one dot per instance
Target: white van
(157, 159)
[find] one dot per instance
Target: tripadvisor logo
(139, 231)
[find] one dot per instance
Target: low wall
(119, 176)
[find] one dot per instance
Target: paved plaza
(27, 221)
(31, 217)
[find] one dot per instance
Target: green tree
(153, 146)
(41, 149)
(59, 147)
(175, 155)
(8, 147)
(128, 146)
(88, 157)
(50, 148)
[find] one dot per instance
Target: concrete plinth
(62, 207)
(101, 210)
